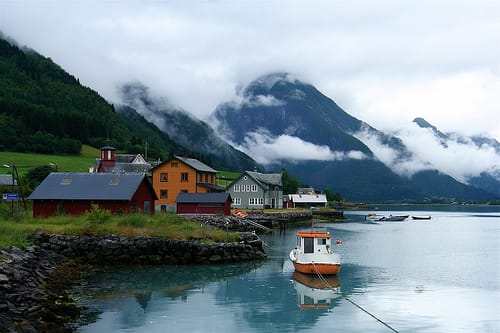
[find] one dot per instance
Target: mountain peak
(263, 84)
(421, 122)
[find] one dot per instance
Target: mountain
(187, 130)
(326, 146)
(489, 179)
(44, 109)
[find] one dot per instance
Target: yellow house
(181, 175)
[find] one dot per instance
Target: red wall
(45, 208)
(200, 208)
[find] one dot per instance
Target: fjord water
(438, 275)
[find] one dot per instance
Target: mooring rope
(325, 282)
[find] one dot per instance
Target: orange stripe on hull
(324, 269)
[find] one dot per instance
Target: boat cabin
(314, 242)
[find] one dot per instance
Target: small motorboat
(393, 218)
(421, 217)
(372, 217)
(313, 254)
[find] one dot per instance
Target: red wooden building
(73, 193)
(203, 203)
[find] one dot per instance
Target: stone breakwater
(150, 250)
(33, 281)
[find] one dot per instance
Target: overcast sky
(385, 62)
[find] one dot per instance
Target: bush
(96, 215)
(5, 211)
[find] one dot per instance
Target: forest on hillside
(43, 109)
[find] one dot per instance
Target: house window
(256, 201)
(163, 177)
(254, 188)
(206, 178)
(184, 177)
(237, 201)
(236, 188)
(163, 194)
(163, 208)
(184, 191)
(174, 165)
(247, 188)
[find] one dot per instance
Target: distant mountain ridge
(489, 181)
(278, 105)
(185, 129)
(290, 122)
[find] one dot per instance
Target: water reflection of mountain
(128, 292)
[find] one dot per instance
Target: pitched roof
(195, 164)
(212, 187)
(308, 198)
(266, 178)
(128, 167)
(202, 197)
(89, 186)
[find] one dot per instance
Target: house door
(147, 207)
(273, 203)
(308, 245)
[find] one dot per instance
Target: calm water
(441, 275)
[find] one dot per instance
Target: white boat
(393, 218)
(372, 217)
(421, 217)
(314, 255)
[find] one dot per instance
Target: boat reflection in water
(314, 292)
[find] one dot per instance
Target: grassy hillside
(26, 161)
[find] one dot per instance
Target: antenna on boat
(312, 222)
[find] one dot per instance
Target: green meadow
(15, 230)
(69, 163)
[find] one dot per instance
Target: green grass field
(14, 231)
(70, 163)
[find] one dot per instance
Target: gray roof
(195, 164)
(7, 180)
(89, 186)
(128, 167)
(212, 187)
(202, 197)
(266, 178)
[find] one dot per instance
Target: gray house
(254, 190)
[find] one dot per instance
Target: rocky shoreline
(33, 281)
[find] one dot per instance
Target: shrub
(96, 215)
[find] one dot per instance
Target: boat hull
(315, 268)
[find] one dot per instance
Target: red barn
(73, 193)
(203, 203)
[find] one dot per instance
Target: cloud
(266, 149)
(384, 61)
(466, 102)
(461, 159)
